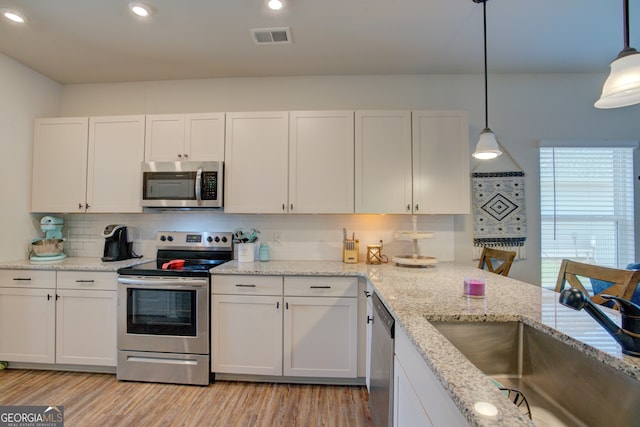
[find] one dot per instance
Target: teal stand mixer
(50, 248)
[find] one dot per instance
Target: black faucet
(628, 336)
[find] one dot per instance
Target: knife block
(350, 250)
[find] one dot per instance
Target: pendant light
(487, 146)
(622, 87)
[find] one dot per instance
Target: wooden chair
(624, 282)
(496, 260)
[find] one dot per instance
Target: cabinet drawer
(28, 279)
(321, 286)
(246, 285)
(104, 281)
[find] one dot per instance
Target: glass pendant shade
(487, 147)
(622, 87)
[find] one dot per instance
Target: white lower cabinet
(369, 323)
(308, 328)
(86, 309)
(320, 337)
(246, 334)
(27, 316)
(73, 324)
(418, 397)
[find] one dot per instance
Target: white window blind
(586, 207)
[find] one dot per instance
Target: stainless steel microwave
(182, 184)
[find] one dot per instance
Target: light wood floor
(100, 400)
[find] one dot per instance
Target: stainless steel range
(163, 309)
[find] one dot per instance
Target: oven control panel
(195, 239)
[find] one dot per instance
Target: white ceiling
(94, 41)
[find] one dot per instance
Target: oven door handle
(143, 283)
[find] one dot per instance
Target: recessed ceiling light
(275, 4)
(140, 9)
(14, 16)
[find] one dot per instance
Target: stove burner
(200, 251)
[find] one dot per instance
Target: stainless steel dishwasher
(381, 381)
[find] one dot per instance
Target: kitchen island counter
(417, 296)
(72, 264)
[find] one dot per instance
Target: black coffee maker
(116, 245)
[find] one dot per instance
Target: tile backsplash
(290, 237)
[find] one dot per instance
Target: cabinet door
(86, 327)
(369, 329)
(164, 138)
(27, 325)
(441, 182)
(407, 409)
(418, 390)
(256, 162)
(59, 165)
(320, 337)
(116, 149)
(321, 162)
(383, 176)
(204, 136)
(246, 334)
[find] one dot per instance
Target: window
(586, 206)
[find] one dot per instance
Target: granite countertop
(416, 296)
(71, 264)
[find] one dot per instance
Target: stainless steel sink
(562, 385)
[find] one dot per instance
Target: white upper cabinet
(59, 174)
(87, 165)
(441, 182)
(383, 177)
(412, 162)
(176, 137)
(321, 162)
(256, 162)
(116, 149)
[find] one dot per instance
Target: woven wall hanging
(499, 215)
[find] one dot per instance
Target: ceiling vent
(271, 35)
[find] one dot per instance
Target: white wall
(523, 110)
(25, 95)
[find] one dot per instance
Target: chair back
(496, 260)
(623, 282)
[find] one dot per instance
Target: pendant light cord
(486, 79)
(626, 50)
(625, 12)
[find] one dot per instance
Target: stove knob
(210, 239)
(224, 239)
(217, 239)
(170, 238)
(162, 238)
